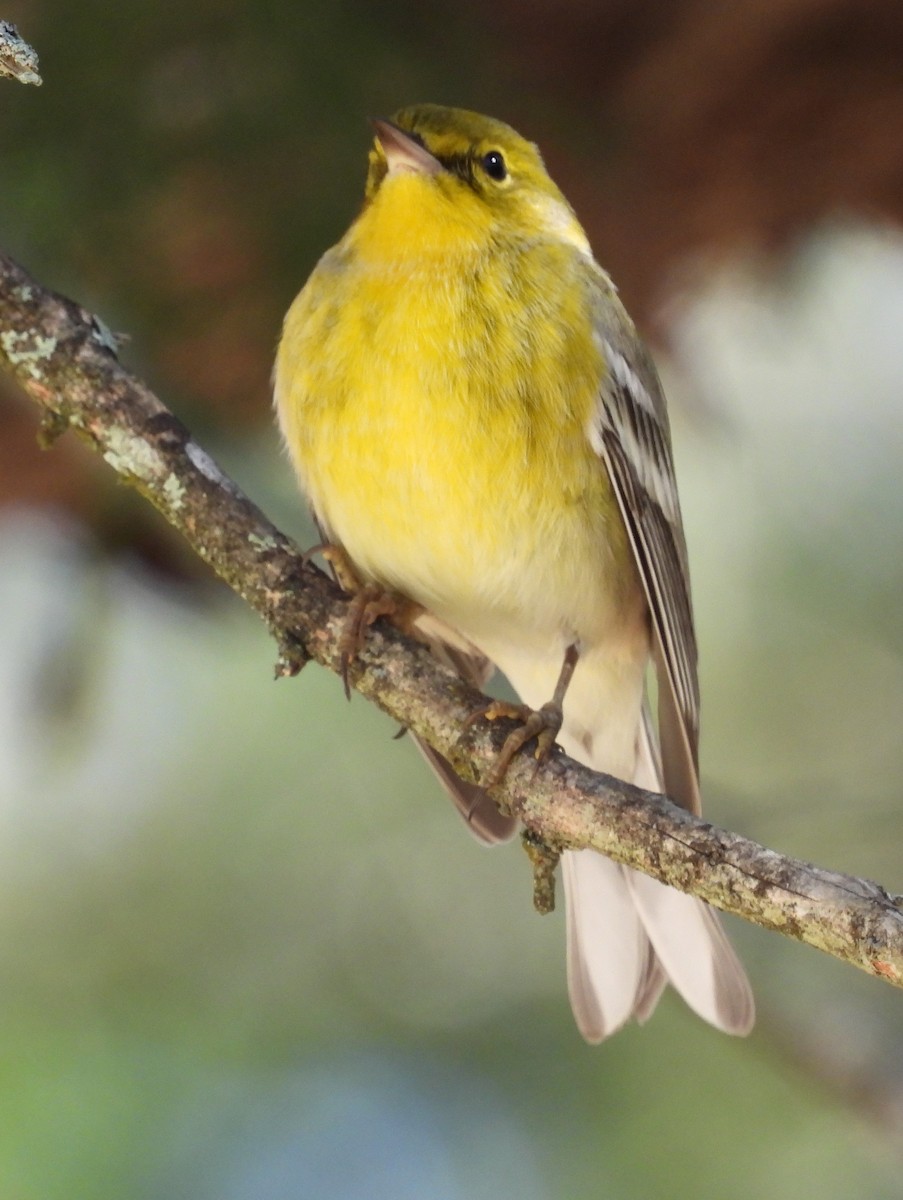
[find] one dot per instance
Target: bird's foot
(540, 723)
(543, 723)
(368, 602)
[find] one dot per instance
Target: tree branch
(18, 60)
(65, 359)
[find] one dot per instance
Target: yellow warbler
(477, 425)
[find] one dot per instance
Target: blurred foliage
(246, 950)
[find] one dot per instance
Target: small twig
(544, 859)
(18, 60)
(63, 360)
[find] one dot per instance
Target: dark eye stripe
(460, 165)
(465, 166)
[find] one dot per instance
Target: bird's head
(451, 166)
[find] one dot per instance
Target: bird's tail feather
(628, 934)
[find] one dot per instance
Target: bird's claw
(543, 724)
(368, 602)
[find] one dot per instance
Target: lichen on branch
(18, 60)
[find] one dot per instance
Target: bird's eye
(494, 166)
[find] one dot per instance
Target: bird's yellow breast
(439, 425)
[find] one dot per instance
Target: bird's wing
(630, 433)
(481, 813)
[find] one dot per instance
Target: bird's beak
(404, 153)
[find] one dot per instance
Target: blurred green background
(247, 951)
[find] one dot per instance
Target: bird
(481, 433)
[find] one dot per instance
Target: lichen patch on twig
(18, 60)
